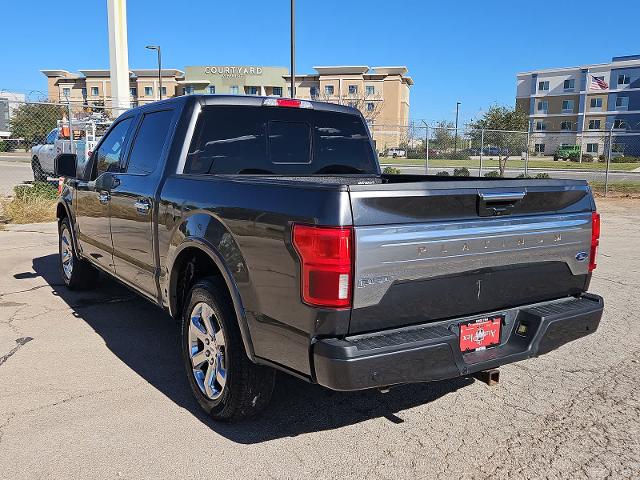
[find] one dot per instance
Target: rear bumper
(424, 353)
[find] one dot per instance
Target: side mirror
(65, 165)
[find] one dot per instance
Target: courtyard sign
(233, 71)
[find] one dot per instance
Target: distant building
(9, 101)
(93, 87)
(582, 105)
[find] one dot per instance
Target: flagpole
(584, 114)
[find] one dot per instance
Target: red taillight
(595, 240)
(326, 257)
(60, 185)
(288, 102)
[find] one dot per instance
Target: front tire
(38, 172)
(76, 273)
(227, 385)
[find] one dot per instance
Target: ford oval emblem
(581, 256)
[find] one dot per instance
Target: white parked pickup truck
(86, 134)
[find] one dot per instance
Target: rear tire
(227, 385)
(38, 172)
(76, 273)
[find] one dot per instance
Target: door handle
(142, 206)
(104, 198)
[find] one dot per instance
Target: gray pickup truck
(265, 227)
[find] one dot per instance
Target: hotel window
(566, 126)
(133, 91)
(624, 79)
(540, 125)
(95, 91)
(594, 124)
(570, 84)
(543, 106)
(148, 91)
(596, 104)
(543, 86)
(233, 90)
(164, 91)
(539, 148)
(592, 148)
(277, 91)
(622, 103)
(188, 90)
(289, 92)
(84, 91)
(620, 124)
(370, 106)
(328, 89)
(66, 92)
(313, 91)
(252, 90)
(353, 89)
(370, 90)
(212, 89)
(567, 106)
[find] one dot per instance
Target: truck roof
(244, 100)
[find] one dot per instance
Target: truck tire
(227, 385)
(77, 274)
(38, 172)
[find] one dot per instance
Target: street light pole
(293, 48)
(157, 49)
(455, 145)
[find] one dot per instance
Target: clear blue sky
(465, 51)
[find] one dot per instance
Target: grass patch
(623, 188)
(31, 204)
(514, 162)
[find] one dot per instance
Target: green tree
(33, 121)
(443, 136)
(502, 132)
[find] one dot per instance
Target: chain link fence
(608, 159)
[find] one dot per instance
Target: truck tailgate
(426, 251)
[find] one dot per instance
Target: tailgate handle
(492, 204)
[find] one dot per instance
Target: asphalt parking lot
(91, 386)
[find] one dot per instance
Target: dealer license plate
(480, 334)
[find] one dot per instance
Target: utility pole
(293, 48)
(118, 53)
(455, 143)
(157, 49)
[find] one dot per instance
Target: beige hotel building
(380, 93)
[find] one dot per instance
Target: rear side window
(282, 141)
(149, 142)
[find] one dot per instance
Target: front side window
(543, 86)
(148, 91)
(567, 105)
(328, 89)
(594, 124)
(110, 151)
(592, 148)
(370, 90)
(570, 84)
(95, 91)
(149, 142)
(624, 79)
(52, 137)
(622, 103)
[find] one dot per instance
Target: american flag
(597, 83)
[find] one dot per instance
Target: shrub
(391, 171)
(523, 175)
(6, 146)
(32, 204)
(585, 158)
(461, 172)
(542, 175)
(458, 156)
(575, 156)
(625, 159)
(37, 190)
(492, 174)
(443, 173)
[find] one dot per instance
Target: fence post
(606, 175)
(481, 151)
(426, 143)
(526, 157)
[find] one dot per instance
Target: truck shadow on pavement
(147, 340)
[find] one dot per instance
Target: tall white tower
(118, 53)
